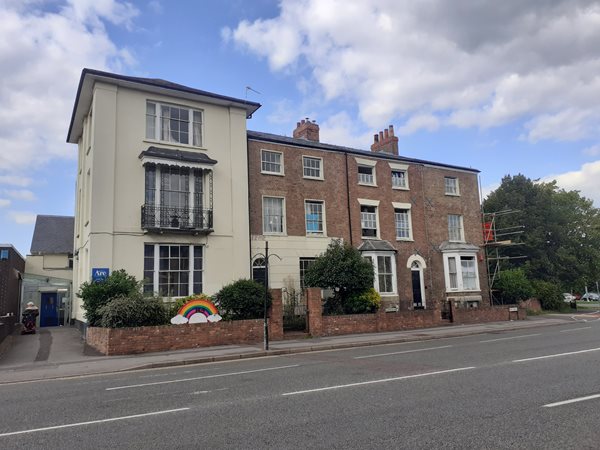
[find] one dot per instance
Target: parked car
(590, 297)
(568, 298)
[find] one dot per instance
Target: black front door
(416, 288)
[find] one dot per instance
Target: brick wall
(533, 304)
(379, 322)
(125, 341)
(489, 314)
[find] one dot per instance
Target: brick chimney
(385, 142)
(305, 129)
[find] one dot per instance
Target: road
(536, 388)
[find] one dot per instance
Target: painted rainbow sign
(201, 306)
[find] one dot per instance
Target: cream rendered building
(162, 184)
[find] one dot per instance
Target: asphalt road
(537, 388)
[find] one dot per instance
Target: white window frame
(408, 207)
(369, 163)
(395, 167)
(454, 190)
(459, 272)
(374, 203)
(323, 232)
(309, 177)
(392, 256)
(281, 165)
(158, 125)
(461, 229)
(156, 269)
(283, 221)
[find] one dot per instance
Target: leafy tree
(561, 236)
(513, 286)
(342, 269)
(549, 295)
(96, 295)
(242, 299)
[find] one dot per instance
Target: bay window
(461, 272)
(384, 268)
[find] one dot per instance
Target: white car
(590, 297)
(568, 298)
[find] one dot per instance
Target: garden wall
(126, 341)
(487, 314)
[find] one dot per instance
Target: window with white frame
(451, 186)
(273, 215)
(368, 220)
(305, 264)
(455, 228)
(314, 217)
(312, 167)
(461, 272)
(173, 270)
(173, 123)
(271, 162)
(366, 175)
(403, 225)
(399, 179)
(384, 267)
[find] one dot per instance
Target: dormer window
(175, 124)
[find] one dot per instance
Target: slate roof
(53, 235)
(178, 155)
(275, 138)
(373, 245)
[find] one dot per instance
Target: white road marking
(384, 380)
(79, 424)
(130, 386)
(575, 329)
(512, 337)
(400, 353)
(557, 355)
(573, 400)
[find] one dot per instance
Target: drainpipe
(348, 199)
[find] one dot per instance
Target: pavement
(60, 352)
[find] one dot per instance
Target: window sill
(451, 195)
(457, 242)
(376, 238)
(366, 184)
(463, 291)
(174, 144)
(277, 174)
(275, 234)
(405, 240)
(314, 178)
(399, 188)
(316, 235)
(388, 294)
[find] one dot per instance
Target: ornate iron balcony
(166, 218)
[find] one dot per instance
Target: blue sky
(505, 87)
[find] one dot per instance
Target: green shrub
(242, 299)
(368, 301)
(96, 295)
(549, 295)
(133, 311)
(513, 286)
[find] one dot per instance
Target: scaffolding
(495, 241)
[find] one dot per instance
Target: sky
(505, 87)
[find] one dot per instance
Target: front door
(49, 310)
(417, 286)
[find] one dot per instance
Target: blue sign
(99, 274)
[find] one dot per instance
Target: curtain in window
(452, 275)
(469, 274)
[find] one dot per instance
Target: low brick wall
(126, 341)
(533, 304)
(487, 314)
(379, 322)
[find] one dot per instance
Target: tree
(561, 237)
(342, 269)
(513, 286)
(96, 295)
(242, 299)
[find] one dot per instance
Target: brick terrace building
(418, 221)
(12, 266)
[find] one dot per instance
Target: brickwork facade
(423, 192)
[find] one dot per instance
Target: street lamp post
(266, 257)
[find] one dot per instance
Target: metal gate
(294, 310)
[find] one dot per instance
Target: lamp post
(266, 257)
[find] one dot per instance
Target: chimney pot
(391, 130)
(307, 129)
(381, 135)
(376, 138)
(386, 134)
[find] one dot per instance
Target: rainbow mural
(198, 306)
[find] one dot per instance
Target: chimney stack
(305, 129)
(385, 142)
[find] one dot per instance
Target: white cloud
(21, 217)
(13, 180)
(586, 180)
(436, 63)
(41, 57)
(340, 129)
(594, 150)
(4, 202)
(20, 194)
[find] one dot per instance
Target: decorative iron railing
(172, 218)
